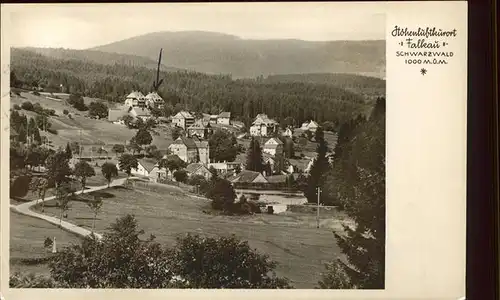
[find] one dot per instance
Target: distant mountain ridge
(218, 53)
(99, 57)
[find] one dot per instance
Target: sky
(81, 26)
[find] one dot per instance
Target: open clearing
(83, 129)
(291, 239)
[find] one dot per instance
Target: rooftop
(148, 164)
(191, 168)
(154, 96)
(263, 119)
(135, 94)
(198, 125)
(245, 176)
(224, 114)
(142, 112)
(184, 114)
(273, 141)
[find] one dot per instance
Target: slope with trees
(357, 181)
(199, 92)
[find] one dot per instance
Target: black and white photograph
(197, 146)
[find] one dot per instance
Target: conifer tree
(317, 172)
(358, 177)
(21, 135)
(69, 153)
(254, 157)
(36, 136)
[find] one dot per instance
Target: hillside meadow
(291, 239)
(79, 128)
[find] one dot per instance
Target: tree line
(244, 98)
(353, 178)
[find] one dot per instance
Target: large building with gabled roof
(154, 100)
(224, 118)
(134, 99)
(199, 129)
(263, 126)
(183, 119)
(191, 150)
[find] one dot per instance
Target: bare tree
(95, 205)
(63, 195)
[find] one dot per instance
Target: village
(193, 148)
(227, 165)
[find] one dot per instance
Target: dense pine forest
(244, 98)
(370, 87)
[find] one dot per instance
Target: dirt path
(25, 209)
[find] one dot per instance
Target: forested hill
(365, 85)
(216, 53)
(195, 91)
(99, 57)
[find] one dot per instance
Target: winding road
(25, 209)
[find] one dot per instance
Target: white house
(144, 167)
(154, 100)
(311, 126)
(224, 118)
(213, 119)
(135, 98)
(224, 167)
(199, 129)
(191, 150)
(288, 132)
(183, 119)
(198, 169)
(273, 146)
(263, 126)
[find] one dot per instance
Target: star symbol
(423, 71)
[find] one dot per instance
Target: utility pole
(28, 133)
(317, 210)
(80, 145)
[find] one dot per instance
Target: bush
(224, 262)
(27, 106)
(335, 277)
(222, 194)
(36, 93)
(17, 107)
(47, 243)
(65, 112)
(98, 109)
(244, 207)
(180, 176)
(76, 100)
(19, 186)
(123, 260)
(38, 109)
(70, 116)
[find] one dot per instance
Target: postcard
(298, 150)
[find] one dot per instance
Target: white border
(426, 172)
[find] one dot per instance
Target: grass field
(82, 129)
(26, 242)
(291, 239)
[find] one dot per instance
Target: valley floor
(291, 239)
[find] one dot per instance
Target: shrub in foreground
(223, 262)
(121, 259)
